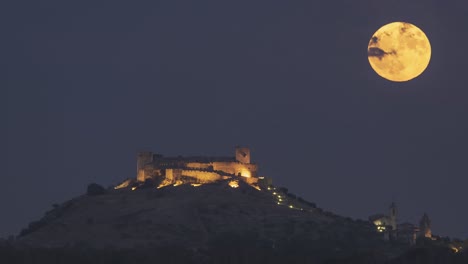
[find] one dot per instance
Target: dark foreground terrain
(211, 223)
(244, 251)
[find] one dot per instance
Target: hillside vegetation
(211, 223)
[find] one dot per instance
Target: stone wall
(245, 170)
(143, 158)
(243, 155)
(173, 174)
(151, 166)
(148, 172)
(202, 176)
(141, 175)
(199, 165)
(250, 180)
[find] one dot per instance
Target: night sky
(87, 84)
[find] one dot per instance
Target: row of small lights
(232, 184)
(281, 199)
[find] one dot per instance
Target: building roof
(372, 218)
(200, 159)
(406, 225)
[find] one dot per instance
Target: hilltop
(205, 210)
(189, 216)
(218, 222)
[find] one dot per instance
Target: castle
(198, 169)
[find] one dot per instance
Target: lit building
(198, 169)
(407, 233)
(425, 227)
(386, 224)
(404, 232)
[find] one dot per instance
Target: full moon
(399, 51)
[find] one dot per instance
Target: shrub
(149, 183)
(95, 189)
(33, 226)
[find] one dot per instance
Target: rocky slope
(192, 217)
(211, 223)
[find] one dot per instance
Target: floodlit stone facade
(197, 169)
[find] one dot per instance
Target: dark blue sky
(86, 84)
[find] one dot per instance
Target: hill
(188, 216)
(219, 222)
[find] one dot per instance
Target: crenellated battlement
(202, 169)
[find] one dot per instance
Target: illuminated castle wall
(196, 169)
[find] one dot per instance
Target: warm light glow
(234, 184)
(246, 173)
(134, 188)
(381, 229)
(122, 185)
(399, 51)
(256, 187)
(178, 183)
(291, 206)
(164, 184)
(196, 184)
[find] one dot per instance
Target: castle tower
(243, 155)
(143, 158)
(425, 227)
(393, 216)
